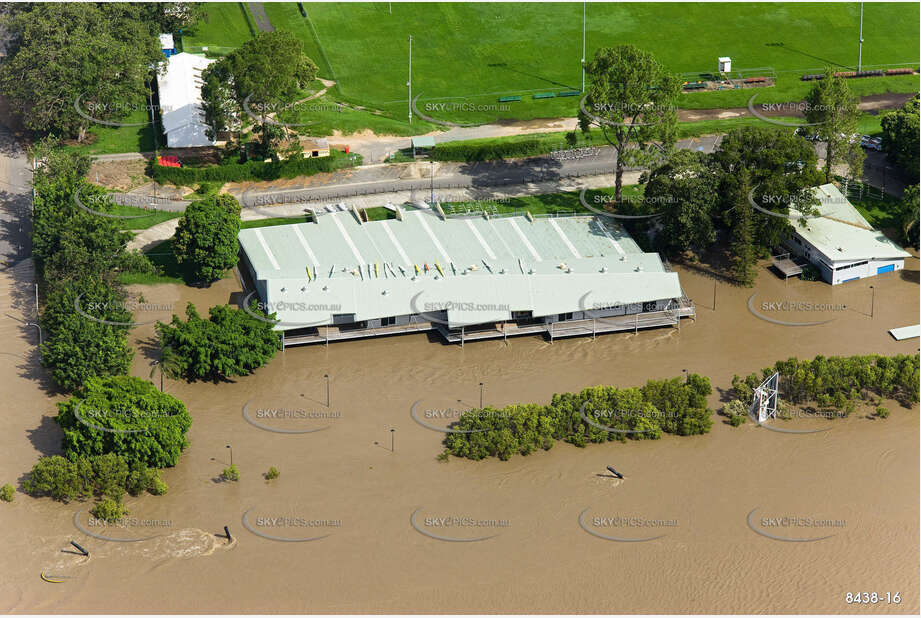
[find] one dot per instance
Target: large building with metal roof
(469, 277)
(841, 243)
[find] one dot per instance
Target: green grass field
(474, 52)
(107, 139)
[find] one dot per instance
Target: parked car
(871, 143)
(808, 133)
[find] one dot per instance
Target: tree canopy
(631, 98)
(126, 416)
(231, 342)
(205, 243)
(684, 190)
(263, 75)
(832, 108)
(900, 137)
(99, 53)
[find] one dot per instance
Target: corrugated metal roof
(180, 101)
(478, 270)
(841, 232)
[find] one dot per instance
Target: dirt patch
(122, 175)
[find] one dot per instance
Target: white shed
(725, 63)
(180, 101)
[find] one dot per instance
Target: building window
(854, 265)
(565, 316)
(649, 306)
(391, 321)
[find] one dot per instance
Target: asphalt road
(417, 177)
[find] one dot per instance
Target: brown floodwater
(362, 521)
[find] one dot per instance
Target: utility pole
(433, 181)
(860, 45)
(583, 47)
(409, 83)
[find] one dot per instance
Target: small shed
(423, 145)
(167, 44)
(315, 147)
(725, 64)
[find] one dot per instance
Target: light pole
(583, 47)
(433, 181)
(392, 431)
(231, 454)
(860, 44)
(481, 395)
(685, 371)
(714, 294)
(35, 324)
(409, 82)
(156, 363)
(872, 301)
(326, 375)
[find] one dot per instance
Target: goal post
(764, 401)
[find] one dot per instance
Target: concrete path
(262, 20)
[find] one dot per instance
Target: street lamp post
(409, 82)
(36, 325)
(231, 454)
(433, 181)
(481, 395)
(860, 44)
(392, 431)
(685, 371)
(583, 47)
(326, 375)
(156, 364)
(872, 301)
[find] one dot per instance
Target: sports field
(471, 53)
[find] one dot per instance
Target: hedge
(489, 152)
(253, 170)
(661, 406)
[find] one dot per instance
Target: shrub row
(83, 477)
(670, 406)
(493, 151)
(836, 382)
(253, 170)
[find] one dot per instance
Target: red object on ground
(168, 161)
(346, 149)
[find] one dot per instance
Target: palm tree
(168, 364)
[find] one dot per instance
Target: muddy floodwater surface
(364, 518)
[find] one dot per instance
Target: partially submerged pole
(615, 472)
(227, 533)
(77, 545)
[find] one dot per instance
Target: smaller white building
(841, 243)
(181, 103)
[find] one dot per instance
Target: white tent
(180, 101)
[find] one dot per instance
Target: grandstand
(466, 277)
